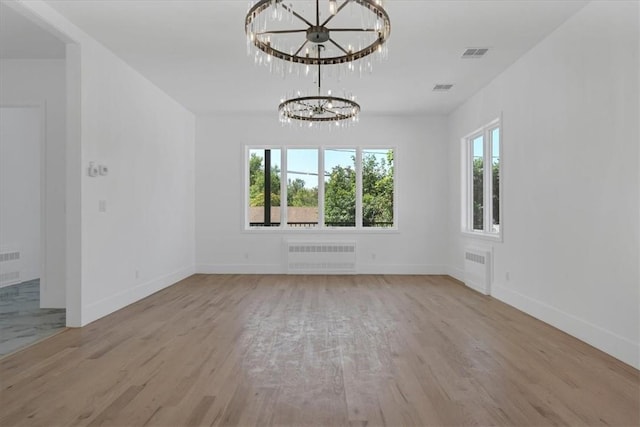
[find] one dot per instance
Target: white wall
(144, 239)
(571, 206)
(42, 83)
(419, 246)
(20, 146)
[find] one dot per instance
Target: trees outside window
(377, 188)
(302, 187)
(482, 181)
(340, 187)
(357, 188)
(264, 187)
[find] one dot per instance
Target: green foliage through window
(339, 189)
(482, 209)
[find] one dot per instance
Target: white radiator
(306, 257)
(10, 267)
(477, 269)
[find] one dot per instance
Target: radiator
(306, 257)
(477, 269)
(10, 267)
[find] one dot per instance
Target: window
(264, 188)
(482, 181)
(302, 187)
(377, 188)
(340, 187)
(356, 188)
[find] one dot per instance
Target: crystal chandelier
(319, 110)
(349, 30)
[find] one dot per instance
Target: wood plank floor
(316, 350)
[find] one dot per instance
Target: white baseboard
(456, 273)
(279, 269)
(99, 309)
(617, 346)
(401, 269)
(240, 269)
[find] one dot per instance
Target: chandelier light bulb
(333, 7)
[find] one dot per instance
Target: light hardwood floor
(316, 350)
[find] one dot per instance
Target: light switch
(102, 206)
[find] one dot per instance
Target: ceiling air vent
(475, 52)
(442, 87)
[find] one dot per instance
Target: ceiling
(20, 38)
(196, 50)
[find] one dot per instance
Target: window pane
(478, 182)
(258, 185)
(339, 188)
(302, 188)
(377, 188)
(495, 173)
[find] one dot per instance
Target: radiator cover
(10, 267)
(320, 257)
(477, 269)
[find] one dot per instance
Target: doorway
(22, 235)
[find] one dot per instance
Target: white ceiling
(20, 38)
(196, 50)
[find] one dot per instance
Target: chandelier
(319, 109)
(349, 30)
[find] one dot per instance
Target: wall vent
(10, 267)
(9, 256)
(474, 257)
(477, 269)
(474, 52)
(305, 257)
(442, 87)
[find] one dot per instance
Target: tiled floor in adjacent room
(22, 321)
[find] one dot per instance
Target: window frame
(467, 212)
(321, 227)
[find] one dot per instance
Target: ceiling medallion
(349, 30)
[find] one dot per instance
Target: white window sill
(325, 230)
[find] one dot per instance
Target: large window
(356, 188)
(481, 182)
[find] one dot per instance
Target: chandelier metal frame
(318, 32)
(319, 108)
